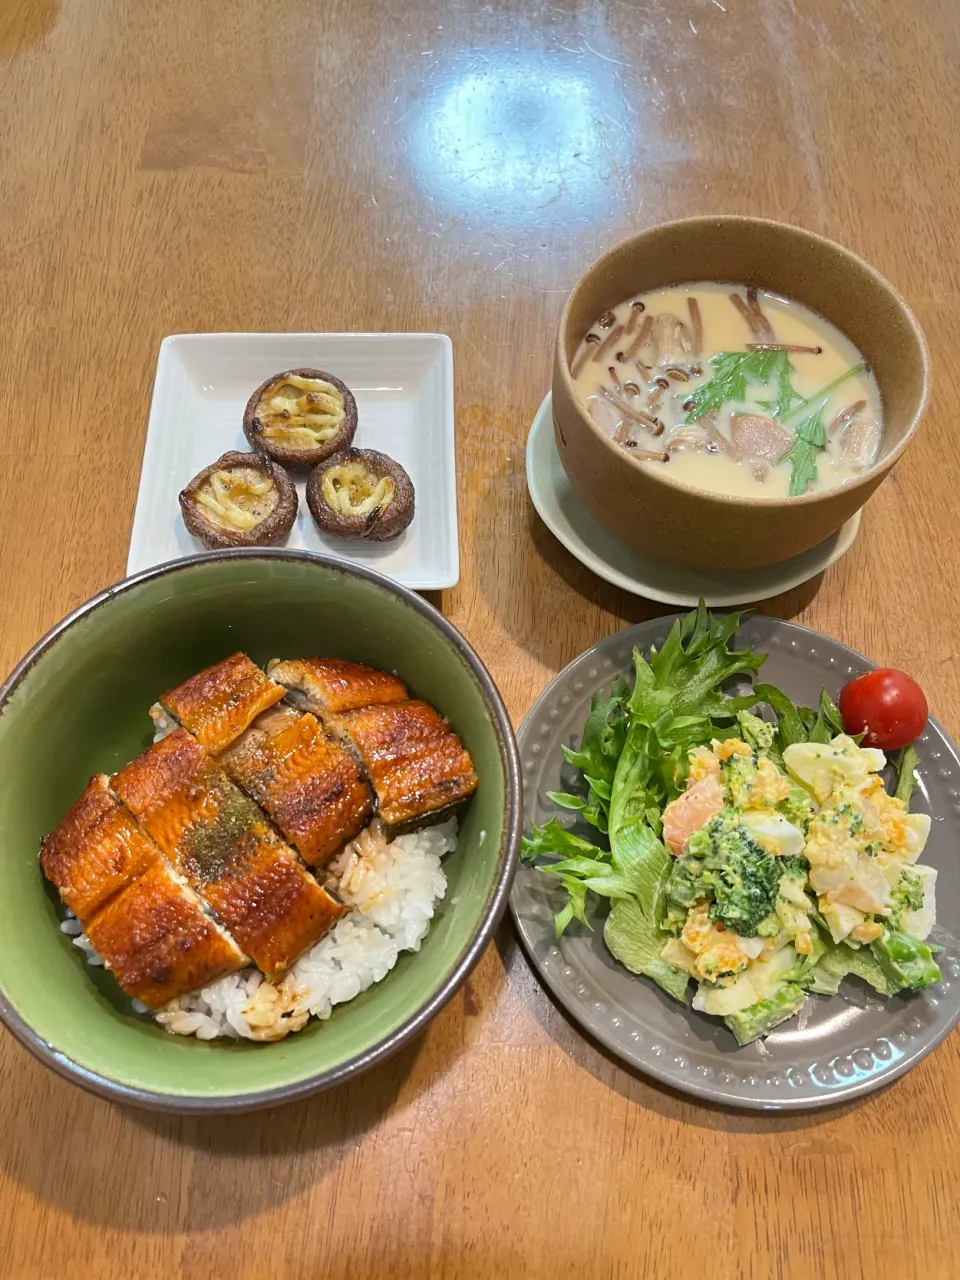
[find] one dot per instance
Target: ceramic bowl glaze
(78, 703)
(661, 517)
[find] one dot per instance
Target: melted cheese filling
(352, 490)
(301, 413)
(237, 500)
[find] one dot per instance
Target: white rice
(71, 927)
(163, 723)
(391, 888)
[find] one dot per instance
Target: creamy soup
(732, 389)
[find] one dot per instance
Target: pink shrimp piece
(691, 812)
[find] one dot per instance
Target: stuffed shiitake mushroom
(241, 500)
(361, 493)
(300, 417)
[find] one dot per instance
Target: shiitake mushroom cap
(299, 459)
(379, 525)
(275, 525)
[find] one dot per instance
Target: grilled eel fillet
(218, 704)
(309, 784)
(416, 764)
(225, 848)
(331, 686)
(149, 927)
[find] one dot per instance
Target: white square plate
(403, 383)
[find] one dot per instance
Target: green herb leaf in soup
(811, 439)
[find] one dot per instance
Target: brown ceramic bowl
(662, 517)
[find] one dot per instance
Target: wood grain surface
(445, 165)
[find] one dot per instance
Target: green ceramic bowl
(77, 704)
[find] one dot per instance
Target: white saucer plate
(569, 521)
(403, 383)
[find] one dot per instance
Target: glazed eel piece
(310, 785)
(416, 764)
(218, 703)
(149, 927)
(227, 850)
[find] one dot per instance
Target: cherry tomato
(887, 705)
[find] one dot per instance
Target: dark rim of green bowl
(491, 913)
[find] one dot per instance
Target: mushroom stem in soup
(749, 394)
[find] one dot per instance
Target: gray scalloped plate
(847, 1045)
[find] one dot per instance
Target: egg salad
(772, 858)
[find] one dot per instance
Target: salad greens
(744, 874)
(603, 741)
(760, 1019)
(906, 773)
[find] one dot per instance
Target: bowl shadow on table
(515, 584)
(520, 588)
(640, 1089)
(206, 1172)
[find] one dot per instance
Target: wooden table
(190, 165)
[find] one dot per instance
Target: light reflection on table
(525, 138)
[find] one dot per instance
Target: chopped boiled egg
(675, 953)
(921, 920)
(703, 764)
(846, 861)
(773, 831)
(722, 1001)
(767, 974)
(717, 950)
(758, 785)
(917, 831)
(841, 919)
(904, 834)
(869, 931)
(823, 766)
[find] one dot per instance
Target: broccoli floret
(795, 867)
(798, 808)
(746, 881)
(769, 927)
(700, 843)
(724, 863)
(756, 732)
(907, 896)
(740, 775)
(689, 882)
